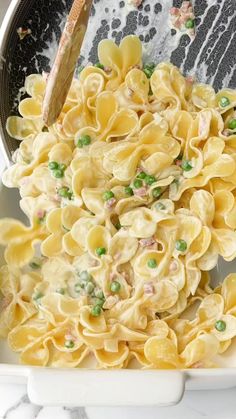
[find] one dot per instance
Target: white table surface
(14, 403)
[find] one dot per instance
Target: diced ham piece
(148, 288)
(147, 242)
(110, 203)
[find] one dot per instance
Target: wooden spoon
(61, 75)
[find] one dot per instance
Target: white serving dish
(88, 387)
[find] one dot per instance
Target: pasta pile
(131, 198)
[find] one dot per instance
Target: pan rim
(4, 31)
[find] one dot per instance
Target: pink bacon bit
(110, 203)
(174, 11)
(70, 337)
(190, 79)
(113, 276)
(41, 213)
(226, 133)
(107, 70)
(178, 162)
(137, 3)
(147, 242)
(142, 192)
(173, 266)
(198, 364)
(4, 302)
(148, 288)
(140, 169)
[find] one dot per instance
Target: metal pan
(211, 56)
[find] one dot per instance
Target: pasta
(131, 198)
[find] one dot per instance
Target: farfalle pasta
(131, 200)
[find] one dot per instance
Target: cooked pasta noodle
(131, 198)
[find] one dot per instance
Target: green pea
(89, 287)
(78, 287)
(37, 296)
(149, 180)
(60, 291)
(62, 166)
(69, 344)
(181, 245)
(141, 175)
(159, 206)
(149, 69)
(151, 65)
(85, 276)
(152, 263)
(99, 65)
(64, 192)
(129, 191)
(180, 156)
(224, 101)
(108, 195)
(99, 294)
(86, 139)
(186, 165)
(80, 143)
(148, 72)
(189, 24)
(53, 165)
(99, 301)
(100, 251)
(34, 265)
(96, 310)
(80, 68)
(232, 123)
(58, 173)
(115, 286)
(41, 220)
(150, 93)
(156, 192)
(220, 325)
(118, 225)
(65, 228)
(138, 183)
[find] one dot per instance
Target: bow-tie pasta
(131, 200)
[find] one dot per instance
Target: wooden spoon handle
(61, 75)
